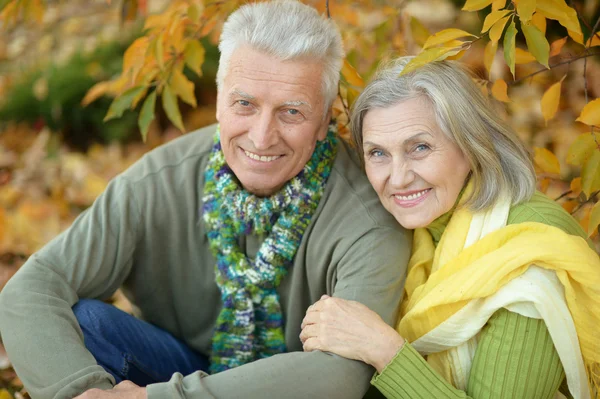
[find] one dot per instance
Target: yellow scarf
(442, 280)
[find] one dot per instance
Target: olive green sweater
(146, 233)
(515, 356)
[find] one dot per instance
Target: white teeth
(412, 196)
(261, 158)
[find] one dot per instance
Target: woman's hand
(349, 329)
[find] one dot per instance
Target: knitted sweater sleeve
(515, 358)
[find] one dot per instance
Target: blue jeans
(132, 349)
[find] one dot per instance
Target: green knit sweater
(515, 357)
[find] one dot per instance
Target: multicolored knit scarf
(250, 325)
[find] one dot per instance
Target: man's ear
(325, 127)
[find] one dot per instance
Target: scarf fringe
(593, 372)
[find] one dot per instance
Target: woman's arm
(515, 357)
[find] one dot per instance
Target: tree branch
(569, 61)
(327, 7)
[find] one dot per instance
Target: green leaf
(590, 174)
(122, 102)
(194, 56)
(536, 43)
(509, 47)
(147, 114)
(169, 102)
(594, 219)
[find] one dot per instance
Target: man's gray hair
(287, 30)
(500, 163)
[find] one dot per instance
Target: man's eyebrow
(240, 93)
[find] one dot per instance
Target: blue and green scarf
(250, 325)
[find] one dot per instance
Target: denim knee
(93, 314)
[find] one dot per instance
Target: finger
(309, 331)
(325, 296)
(310, 318)
(311, 344)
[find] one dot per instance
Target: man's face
(271, 115)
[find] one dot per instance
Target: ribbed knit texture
(515, 357)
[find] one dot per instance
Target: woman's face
(414, 168)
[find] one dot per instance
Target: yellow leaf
(590, 174)
(509, 47)
(492, 18)
(183, 87)
(194, 56)
(499, 90)
(536, 43)
(169, 102)
(418, 31)
(539, 21)
(351, 76)
(4, 394)
(97, 91)
(556, 46)
(489, 54)
(594, 219)
(561, 12)
(159, 51)
(497, 29)
(577, 37)
(35, 10)
(582, 148)
(498, 4)
(194, 11)
(551, 100)
(523, 56)
(576, 186)
(546, 160)
(590, 115)
(593, 41)
(444, 36)
(351, 96)
(134, 57)
(525, 9)
(474, 5)
(430, 55)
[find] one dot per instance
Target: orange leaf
(556, 46)
(97, 91)
(351, 76)
(569, 205)
(499, 90)
(183, 87)
(576, 186)
(546, 160)
(551, 100)
(593, 41)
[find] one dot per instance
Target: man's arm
(39, 330)
(372, 272)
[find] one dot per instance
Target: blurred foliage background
(87, 87)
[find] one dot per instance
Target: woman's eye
(421, 147)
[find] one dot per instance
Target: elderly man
(222, 239)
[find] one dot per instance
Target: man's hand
(124, 390)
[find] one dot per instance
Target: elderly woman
(502, 296)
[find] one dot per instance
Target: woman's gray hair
(287, 30)
(500, 163)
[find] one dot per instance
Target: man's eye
(375, 153)
(292, 111)
(243, 103)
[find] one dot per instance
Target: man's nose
(263, 133)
